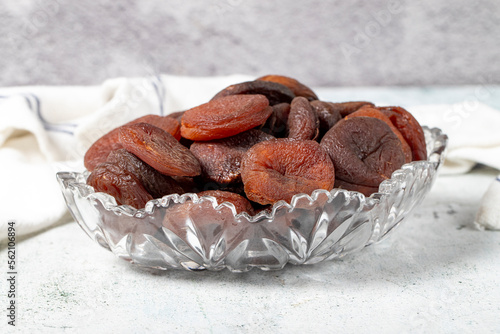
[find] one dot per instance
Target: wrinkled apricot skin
(159, 149)
(157, 184)
(225, 117)
(99, 151)
(346, 108)
(303, 123)
(375, 113)
(328, 116)
(409, 128)
(240, 203)
(276, 124)
(274, 92)
(278, 169)
(166, 123)
(220, 159)
(295, 86)
(119, 183)
(364, 150)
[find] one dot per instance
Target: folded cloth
(488, 215)
(473, 133)
(44, 130)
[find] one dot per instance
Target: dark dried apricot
(225, 117)
(303, 123)
(157, 184)
(278, 169)
(328, 115)
(159, 149)
(119, 183)
(220, 159)
(274, 92)
(372, 112)
(364, 150)
(409, 128)
(276, 124)
(177, 115)
(99, 151)
(298, 88)
(188, 184)
(346, 108)
(240, 203)
(198, 183)
(202, 184)
(258, 208)
(166, 123)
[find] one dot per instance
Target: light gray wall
(322, 43)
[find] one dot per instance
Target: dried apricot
(100, 149)
(154, 182)
(372, 112)
(225, 117)
(346, 108)
(177, 115)
(166, 123)
(119, 183)
(220, 159)
(276, 124)
(409, 128)
(187, 183)
(159, 149)
(274, 92)
(240, 203)
(295, 86)
(278, 169)
(303, 123)
(328, 115)
(364, 150)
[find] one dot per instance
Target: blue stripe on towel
(159, 92)
(29, 97)
(47, 125)
(28, 101)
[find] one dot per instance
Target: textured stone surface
(323, 43)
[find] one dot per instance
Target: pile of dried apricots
(253, 144)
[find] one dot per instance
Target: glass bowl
(197, 233)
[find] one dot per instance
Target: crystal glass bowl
(197, 233)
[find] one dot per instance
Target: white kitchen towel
(488, 215)
(473, 131)
(44, 130)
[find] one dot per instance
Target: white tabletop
(435, 273)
